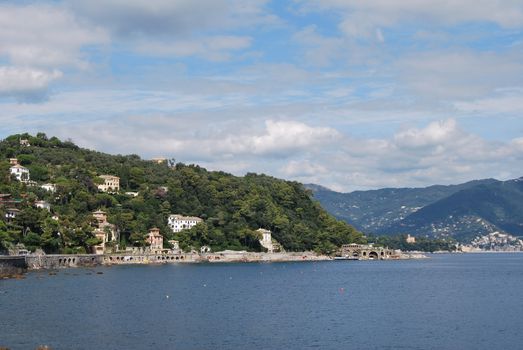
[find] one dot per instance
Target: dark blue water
(446, 302)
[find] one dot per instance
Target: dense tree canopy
(232, 207)
(424, 244)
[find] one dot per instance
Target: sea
(449, 301)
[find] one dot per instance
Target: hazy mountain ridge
(463, 211)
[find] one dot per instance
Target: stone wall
(52, 261)
(35, 262)
(125, 259)
(12, 266)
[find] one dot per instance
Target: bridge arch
(373, 255)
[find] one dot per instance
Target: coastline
(15, 266)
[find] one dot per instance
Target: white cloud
(26, 83)
(459, 74)
(44, 36)
(283, 137)
(214, 48)
(436, 133)
(504, 101)
(166, 18)
(362, 18)
(303, 169)
(318, 49)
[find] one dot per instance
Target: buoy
(167, 296)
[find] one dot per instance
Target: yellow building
(111, 184)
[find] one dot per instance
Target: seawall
(55, 261)
(11, 266)
(50, 262)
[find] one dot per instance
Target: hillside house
(155, 239)
(49, 187)
(178, 222)
(43, 205)
(111, 184)
(11, 213)
(104, 231)
(20, 172)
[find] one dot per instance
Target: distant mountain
(463, 211)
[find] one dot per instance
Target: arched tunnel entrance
(373, 255)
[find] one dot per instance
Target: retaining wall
(12, 266)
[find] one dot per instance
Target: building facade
(104, 231)
(410, 239)
(111, 184)
(49, 187)
(367, 252)
(20, 172)
(178, 222)
(155, 239)
(43, 205)
(266, 239)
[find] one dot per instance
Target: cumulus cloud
(439, 152)
(45, 36)
(283, 137)
(436, 133)
(26, 84)
(37, 42)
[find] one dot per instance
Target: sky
(348, 94)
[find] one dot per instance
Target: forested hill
(462, 211)
(232, 207)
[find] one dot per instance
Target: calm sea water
(446, 302)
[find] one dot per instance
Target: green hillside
(376, 211)
(496, 206)
(232, 207)
(461, 211)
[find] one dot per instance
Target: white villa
(178, 222)
(20, 172)
(43, 205)
(266, 240)
(11, 213)
(49, 187)
(111, 184)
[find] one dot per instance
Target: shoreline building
(105, 231)
(155, 240)
(111, 184)
(266, 239)
(179, 222)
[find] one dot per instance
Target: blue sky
(344, 93)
